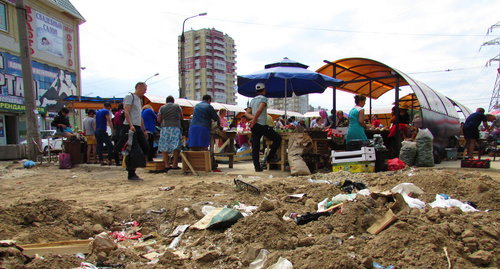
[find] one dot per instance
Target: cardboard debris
(382, 223)
(66, 247)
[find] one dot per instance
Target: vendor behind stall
(471, 131)
(357, 125)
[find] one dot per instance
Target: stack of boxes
(358, 161)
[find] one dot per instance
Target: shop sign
(19, 108)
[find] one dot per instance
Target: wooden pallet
(155, 166)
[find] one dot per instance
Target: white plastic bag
(407, 188)
(282, 263)
(443, 202)
(260, 260)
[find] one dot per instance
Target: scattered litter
(86, 265)
(282, 263)
(156, 211)
(166, 188)
(348, 186)
(246, 186)
(80, 255)
(123, 235)
(306, 218)
(175, 242)
(413, 202)
(442, 201)
(376, 265)
(261, 259)
(218, 218)
(408, 188)
(179, 230)
(206, 209)
(298, 196)
(74, 176)
(395, 164)
(382, 223)
(247, 209)
(28, 164)
(320, 181)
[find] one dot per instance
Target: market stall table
(226, 149)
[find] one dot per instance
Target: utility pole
(33, 129)
(495, 96)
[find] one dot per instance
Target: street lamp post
(182, 89)
(151, 77)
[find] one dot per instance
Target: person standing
(89, 129)
(375, 121)
(259, 128)
(170, 116)
(149, 117)
(120, 130)
(201, 123)
(103, 118)
(222, 116)
(356, 130)
(471, 129)
(132, 111)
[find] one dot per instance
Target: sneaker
(258, 169)
(135, 178)
(273, 159)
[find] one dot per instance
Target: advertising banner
(52, 84)
(49, 34)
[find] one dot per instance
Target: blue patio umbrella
(285, 78)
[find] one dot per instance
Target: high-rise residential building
(295, 103)
(210, 59)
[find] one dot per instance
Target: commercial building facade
(53, 37)
(210, 64)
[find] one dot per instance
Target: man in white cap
(259, 128)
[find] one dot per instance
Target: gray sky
(123, 42)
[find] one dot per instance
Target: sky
(436, 42)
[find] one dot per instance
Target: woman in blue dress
(356, 129)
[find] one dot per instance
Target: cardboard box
(199, 160)
(355, 167)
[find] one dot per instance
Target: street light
(182, 89)
(151, 77)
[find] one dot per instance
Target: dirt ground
(46, 204)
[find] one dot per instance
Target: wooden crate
(199, 160)
(155, 166)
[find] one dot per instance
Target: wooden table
(227, 146)
(282, 150)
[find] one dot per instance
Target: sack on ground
(425, 156)
(408, 152)
(298, 143)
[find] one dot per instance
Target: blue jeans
(102, 138)
(257, 132)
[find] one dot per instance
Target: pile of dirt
(420, 238)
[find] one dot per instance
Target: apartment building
(210, 64)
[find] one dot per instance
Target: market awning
(90, 102)
(362, 76)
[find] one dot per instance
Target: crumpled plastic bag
(442, 201)
(395, 164)
(407, 188)
(282, 263)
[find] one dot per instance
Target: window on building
(3, 17)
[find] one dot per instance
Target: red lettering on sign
(69, 37)
(70, 62)
(30, 29)
(70, 47)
